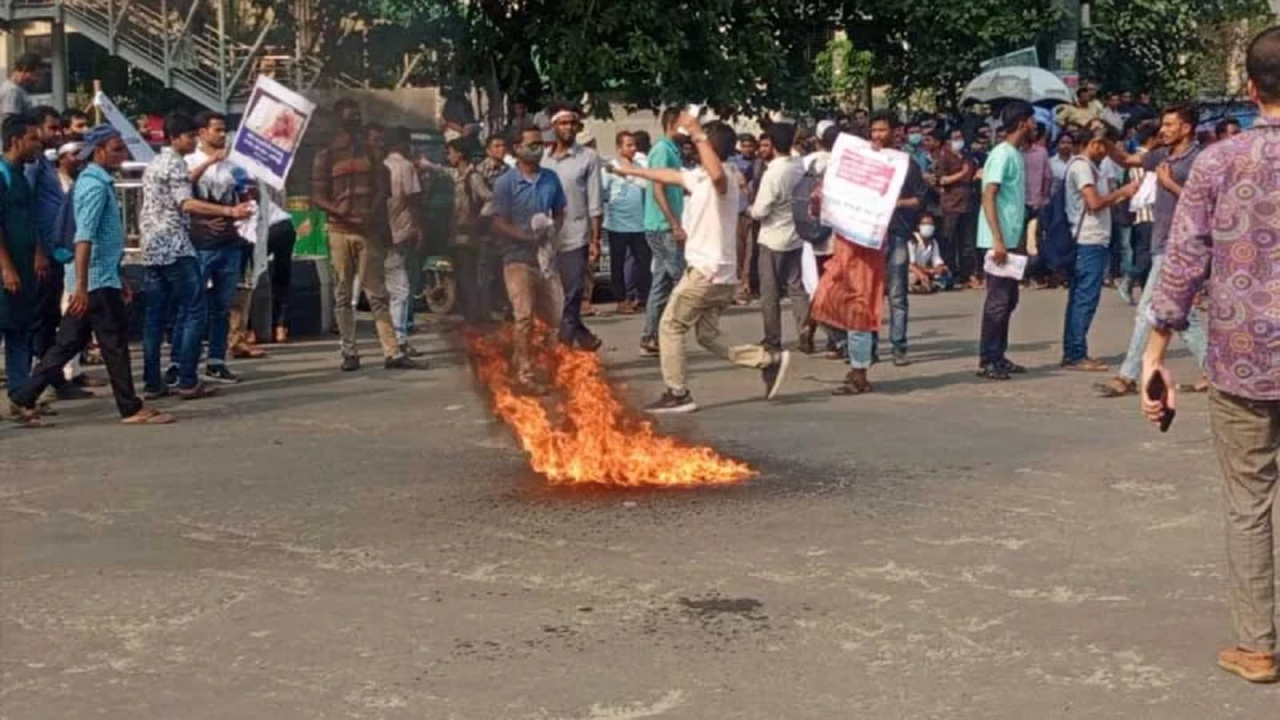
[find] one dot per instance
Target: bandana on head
(564, 115)
(70, 148)
(97, 136)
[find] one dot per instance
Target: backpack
(808, 227)
(63, 241)
(1058, 246)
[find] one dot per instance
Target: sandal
(1117, 388)
(28, 418)
(147, 416)
(1199, 386)
(198, 391)
(855, 383)
(1085, 365)
(247, 352)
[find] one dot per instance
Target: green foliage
(842, 74)
(1159, 45)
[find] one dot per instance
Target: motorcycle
(439, 286)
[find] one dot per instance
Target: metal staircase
(178, 42)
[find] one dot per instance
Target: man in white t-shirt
(710, 279)
(1090, 193)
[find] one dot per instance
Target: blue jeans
(17, 356)
(1121, 251)
(669, 257)
(222, 267)
(1082, 303)
(859, 349)
(1193, 336)
(176, 284)
(899, 262)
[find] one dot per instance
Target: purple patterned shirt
(1228, 220)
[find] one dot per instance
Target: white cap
(823, 126)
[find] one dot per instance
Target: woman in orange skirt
(851, 296)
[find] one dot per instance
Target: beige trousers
(533, 295)
(1247, 436)
(696, 304)
(354, 255)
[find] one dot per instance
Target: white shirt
(404, 183)
(924, 254)
(1058, 167)
(773, 204)
(711, 221)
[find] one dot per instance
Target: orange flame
(581, 433)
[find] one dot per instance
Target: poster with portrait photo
(275, 120)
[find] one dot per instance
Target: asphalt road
(318, 545)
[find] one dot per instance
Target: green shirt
(664, 155)
(1004, 168)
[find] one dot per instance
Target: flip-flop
(851, 389)
(149, 417)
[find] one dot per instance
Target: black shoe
(71, 391)
(155, 393)
(171, 376)
(404, 363)
(410, 351)
(900, 358)
(351, 363)
(220, 374)
(591, 343)
(649, 346)
(1012, 368)
(775, 373)
(993, 372)
(670, 403)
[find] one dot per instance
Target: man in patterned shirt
(172, 273)
(100, 295)
(1228, 219)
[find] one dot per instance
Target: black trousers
(780, 273)
(1002, 300)
(280, 240)
(621, 243)
(959, 245)
(108, 318)
(48, 315)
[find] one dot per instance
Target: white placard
(138, 148)
(860, 190)
(267, 141)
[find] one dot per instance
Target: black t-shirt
(905, 219)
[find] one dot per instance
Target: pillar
(58, 64)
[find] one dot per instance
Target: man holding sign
(1000, 227)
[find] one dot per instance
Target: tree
(842, 74)
(1159, 45)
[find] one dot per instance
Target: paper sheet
(1015, 266)
(1146, 195)
(809, 269)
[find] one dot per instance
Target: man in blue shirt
(42, 175)
(100, 295)
(624, 221)
(23, 265)
(527, 211)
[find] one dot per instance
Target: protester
(470, 194)
(780, 246)
(929, 272)
(24, 267)
(171, 278)
(49, 195)
(953, 174)
(1086, 109)
(629, 254)
(751, 168)
(352, 186)
(98, 303)
(1172, 163)
(1000, 229)
(406, 228)
(901, 226)
(15, 92)
(1035, 160)
(1227, 220)
(75, 123)
(708, 286)
(527, 209)
(578, 241)
(1226, 128)
(1066, 149)
(815, 164)
(1090, 196)
(663, 209)
(281, 237)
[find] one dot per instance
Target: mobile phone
(1158, 391)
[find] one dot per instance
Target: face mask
(926, 231)
(957, 145)
(915, 138)
(530, 154)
